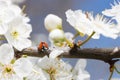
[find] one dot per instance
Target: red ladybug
(43, 47)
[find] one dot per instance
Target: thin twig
(111, 74)
(89, 37)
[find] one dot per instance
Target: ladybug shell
(42, 46)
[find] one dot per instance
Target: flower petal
(22, 67)
(19, 44)
(52, 22)
(6, 53)
(55, 53)
(22, 44)
(3, 28)
(83, 75)
(25, 30)
(38, 74)
(81, 63)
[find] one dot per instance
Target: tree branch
(103, 54)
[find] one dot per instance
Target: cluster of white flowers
(53, 68)
(11, 69)
(15, 28)
(86, 23)
(14, 25)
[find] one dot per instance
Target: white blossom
(18, 33)
(12, 70)
(52, 22)
(7, 12)
(36, 73)
(56, 69)
(80, 22)
(87, 24)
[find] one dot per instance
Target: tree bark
(103, 54)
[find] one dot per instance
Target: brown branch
(103, 54)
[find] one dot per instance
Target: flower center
(15, 34)
(8, 70)
(51, 71)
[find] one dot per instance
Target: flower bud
(52, 22)
(57, 36)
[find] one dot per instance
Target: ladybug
(43, 47)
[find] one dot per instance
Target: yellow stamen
(8, 71)
(15, 34)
